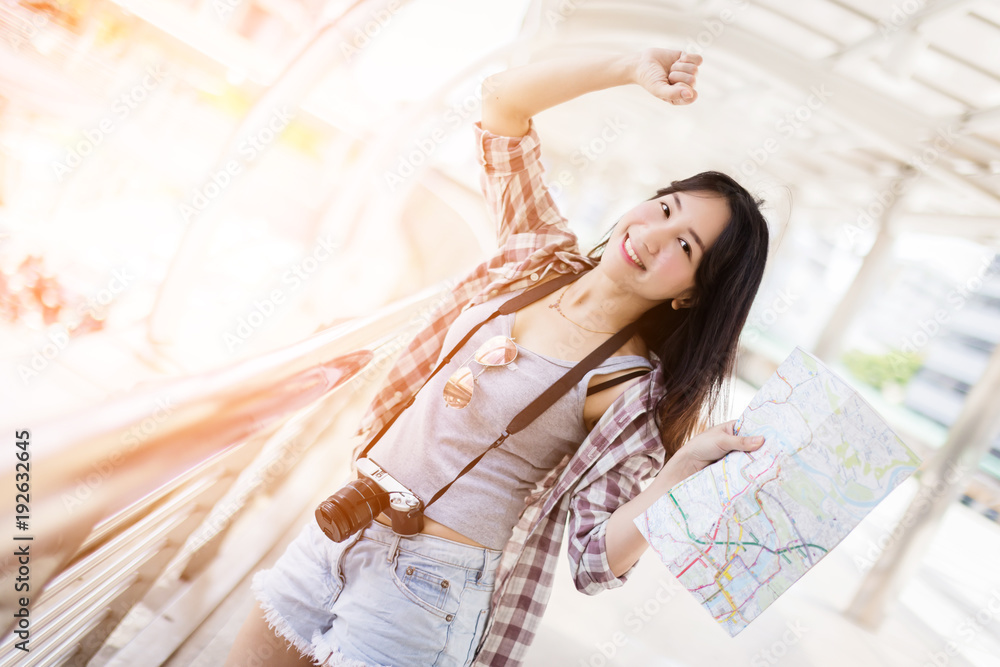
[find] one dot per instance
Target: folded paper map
(738, 533)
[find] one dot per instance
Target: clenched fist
(668, 74)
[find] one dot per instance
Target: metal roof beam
(978, 228)
(895, 126)
(911, 22)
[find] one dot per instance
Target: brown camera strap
(544, 400)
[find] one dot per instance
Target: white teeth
(631, 252)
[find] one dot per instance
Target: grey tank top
(431, 442)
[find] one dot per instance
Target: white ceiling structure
(848, 104)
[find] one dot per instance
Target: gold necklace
(559, 310)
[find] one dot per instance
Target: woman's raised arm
(511, 97)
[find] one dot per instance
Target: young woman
(472, 586)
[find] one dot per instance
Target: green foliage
(896, 367)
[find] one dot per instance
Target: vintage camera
(375, 491)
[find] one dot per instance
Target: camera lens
(350, 508)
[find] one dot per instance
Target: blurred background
(206, 206)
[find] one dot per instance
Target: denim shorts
(378, 599)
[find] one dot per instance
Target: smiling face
(657, 246)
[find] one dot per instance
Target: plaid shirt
(623, 450)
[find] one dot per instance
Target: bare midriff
(432, 527)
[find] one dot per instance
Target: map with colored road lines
(739, 533)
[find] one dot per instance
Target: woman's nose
(654, 239)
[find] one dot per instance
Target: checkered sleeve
(514, 186)
(592, 504)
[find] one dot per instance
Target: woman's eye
(686, 246)
(666, 209)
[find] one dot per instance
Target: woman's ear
(677, 304)
(687, 299)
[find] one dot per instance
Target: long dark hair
(697, 346)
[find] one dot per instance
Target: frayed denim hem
(277, 622)
(318, 650)
(334, 657)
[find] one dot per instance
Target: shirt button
(534, 276)
(493, 292)
(398, 395)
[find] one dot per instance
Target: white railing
(123, 490)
